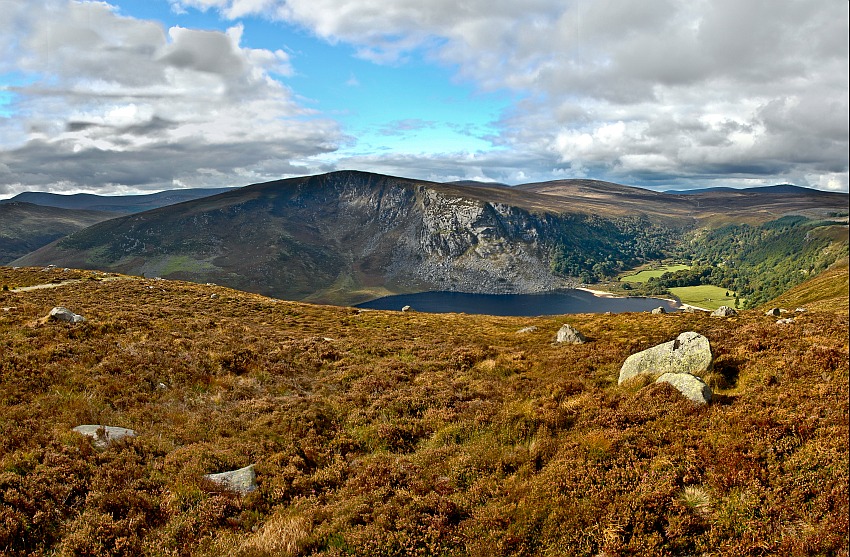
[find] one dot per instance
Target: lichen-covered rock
(724, 311)
(64, 314)
(243, 480)
(103, 435)
(690, 352)
(773, 312)
(570, 335)
(785, 321)
(659, 310)
(691, 386)
(529, 329)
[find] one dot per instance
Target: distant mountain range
(345, 237)
(783, 189)
(114, 203)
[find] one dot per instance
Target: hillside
(388, 433)
(25, 227)
(829, 291)
(114, 203)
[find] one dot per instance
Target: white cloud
(112, 101)
(715, 87)
(666, 92)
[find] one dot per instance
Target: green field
(647, 274)
(704, 296)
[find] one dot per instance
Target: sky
(136, 96)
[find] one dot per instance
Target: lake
(550, 303)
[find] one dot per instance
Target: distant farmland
(645, 275)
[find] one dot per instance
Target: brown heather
(384, 433)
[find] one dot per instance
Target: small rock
(800, 310)
(659, 310)
(724, 311)
(162, 386)
(63, 314)
(530, 329)
(241, 481)
(406, 308)
(785, 321)
(570, 335)
(213, 296)
(690, 352)
(775, 312)
(691, 386)
(103, 435)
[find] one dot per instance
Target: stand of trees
(593, 248)
(757, 262)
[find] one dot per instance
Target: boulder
(570, 335)
(103, 435)
(774, 312)
(689, 385)
(724, 311)
(690, 352)
(530, 329)
(64, 314)
(658, 310)
(406, 308)
(785, 321)
(243, 480)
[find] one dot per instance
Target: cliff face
(342, 237)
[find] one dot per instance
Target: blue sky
(143, 95)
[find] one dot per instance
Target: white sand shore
(598, 293)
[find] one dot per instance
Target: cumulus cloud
(672, 91)
(105, 101)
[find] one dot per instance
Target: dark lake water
(550, 303)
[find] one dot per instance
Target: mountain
(114, 203)
(345, 237)
(25, 227)
(349, 236)
(379, 433)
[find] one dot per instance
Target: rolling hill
(25, 227)
(114, 203)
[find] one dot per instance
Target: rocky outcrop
(103, 435)
(690, 353)
(568, 334)
(243, 480)
(724, 311)
(64, 314)
(691, 386)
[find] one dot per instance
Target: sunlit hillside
(390, 433)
